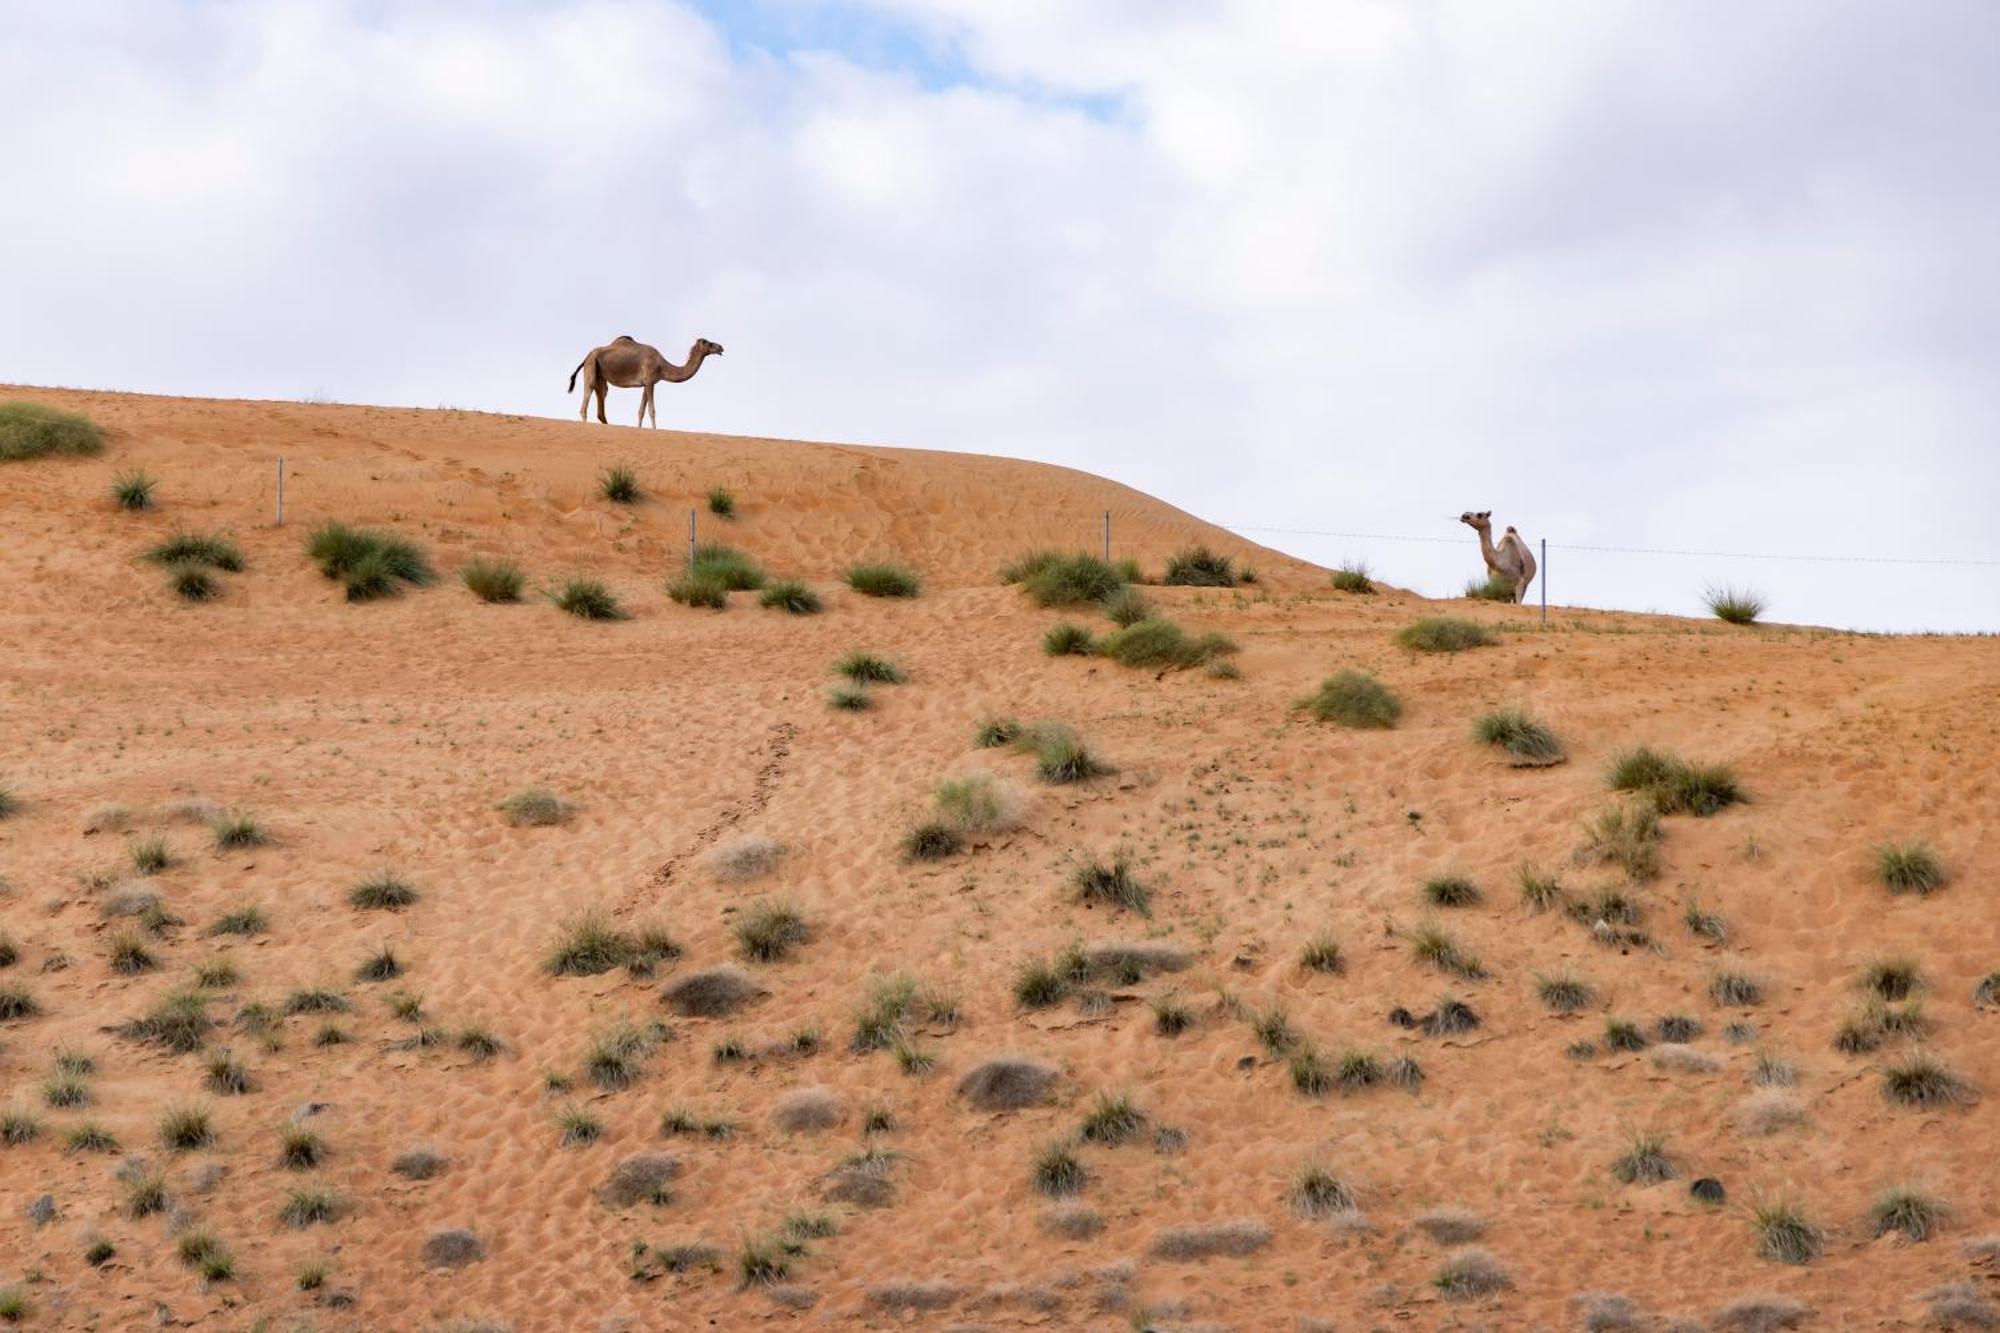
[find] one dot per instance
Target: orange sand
(384, 735)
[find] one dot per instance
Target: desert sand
(383, 736)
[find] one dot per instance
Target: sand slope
(382, 736)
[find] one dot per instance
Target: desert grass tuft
(367, 563)
(791, 596)
(1917, 1215)
(727, 566)
(1909, 867)
(1311, 1073)
(149, 855)
(227, 1076)
(587, 945)
(1353, 699)
(997, 732)
(619, 484)
(200, 549)
(146, 1193)
(1645, 1161)
(1621, 1034)
(577, 1127)
(186, 1128)
(1735, 990)
(1784, 1233)
(1626, 836)
(1471, 1274)
(299, 1149)
(849, 699)
(1492, 588)
(18, 1127)
(30, 430)
(536, 807)
(1892, 979)
(129, 955)
(932, 840)
(884, 580)
(1321, 954)
(1199, 567)
(1540, 891)
(1353, 577)
(192, 582)
(309, 1207)
(382, 965)
(1432, 944)
(769, 931)
(133, 490)
(1564, 992)
(1444, 634)
(721, 502)
(1920, 1080)
(1112, 1120)
(705, 590)
(1704, 924)
(1738, 606)
(1451, 891)
(1161, 643)
(588, 599)
(385, 892)
(246, 920)
(1051, 578)
(1171, 1016)
(315, 1000)
(1068, 639)
(493, 580)
(1317, 1192)
(1062, 758)
(1113, 885)
(867, 668)
(1527, 742)
(235, 831)
(1127, 606)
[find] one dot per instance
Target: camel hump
(624, 338)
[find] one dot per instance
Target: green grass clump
(385, 892)
(1127, 606)
(199, 550)
(1909, 867)
(588, 945)
(850, 699)
(577, 1127)
(1528, 743)
(1113, 884)
(1062, 758)
(1353, 577)
(1451, 891)
(1432, 944)
(300, 1149)
(309, 1207)
(1492, 588)
(1627, 836)
(770, 931)
(1444, 634)
(792, 596)
(129, 955)
(1738, 606)
(240, 921)
(1199, 567)
(18, 1127)
(1312, 1074)
(493, 580)
(1920, 1080)
(186, 1128)
(1675, 786)
(619, 484)
(705, 590)
(1735, 990)
(1059, 1172)
(1317, 1192)
(863, 668)
(996, 732)
(884, 580)
(1067, 639)
(150, 855)
(1784, 1233)
(1353, 699)
(1053, 579)
(1162, 643)
(192, 582)
(179, 1023)
(1040, 984)
(721, 503)
(1112, 1120)
(762, 1263)
(133, 490)
(29, 430)
(368, 564)
(1171, 1016)
(725, 565)
(588, 599)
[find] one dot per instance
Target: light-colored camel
(1510, 559)
(634, 365)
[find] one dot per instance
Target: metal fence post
(690, 537)
(281, 492)
(1107, 536)
(1545, 580)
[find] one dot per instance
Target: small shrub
(150, 855)
(725, 565)
(866, 668)
(385, 892)
(1451, 891)
(1062, 758)
(1492, 588)
(129, 955)
(1784, 1233)
(1735, 990)
(1321, 954)
(1353, 577)
(1433, 945)
(1317, 1192)
(186, 1128)
(721, 503)
(1199, 567)
(769, 931)
(1064, 580)
(1564, 992)
(1162, 643)
(1528, 743)
(1066, 639)
(932, 840)
(849, 699)
(236, 832)
(792, 596)
(227, 1076)
(1893, 979)
(1353, 699)
(1738, 606)
(997, 732)
(1113, 885)
(1471, 1274)
(200, 550)
(1127, 606)
(133, 490)
(1626, 836)
(367, 563)
(1171, 1016)
(1917, 1215)
(30, 430)
(1540, 892)
(493, 580)
(619, 484)
(588, 599)
(1923, 1082)
(382, 965)
(884, 580)
(1311, 1073)
(1623, 1035)
(577, 1127)
(1909, 867)
(1645, 1162)
(1444, 634)
(247, 920)
(309, 1207)
(1112, 1120)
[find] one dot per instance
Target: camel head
(1479, 522)
(707, 348)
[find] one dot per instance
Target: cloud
(1696, 276)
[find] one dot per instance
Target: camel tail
(574, 373)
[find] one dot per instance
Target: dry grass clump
(1353, 699)
(1540, 891)
(1627, 836)
(866, 1179)
(186, 1128)
(1451, 1017)
(616, 1056)
(1986, 992)
(309, 1207)
(1528, 743)
(746, 857)
(1451, 1226)
(246, 920)
(536, 807)
(807, 1110)
(589, 945)
(588, 599)
(1113, 885)
(894, 1005)
(421, 1163)
(1564, 992)
(385, 892)
(1767, 1111)
(1913, 1212)
(1431, 943)
(179, 1023)
(1353, 576)
(1760, 1314)
(1112, 1120)
(1921, 1081)
(149, 855)
(1737, 606)
(1451, 891)
(1961, 1305)
(1735, 990)
(1444, 634)
(1784, 1233)
(714, 992)
(30, 430)
(493, 580)
(640, 1178)
(1321, 953)
(979, 805)
(1232, 1239)
(1158, 642)
(1909, 867)
(89, 1137)
(1199, 567)
(1317, 1192)
(789, 595)
(1892, 979)
(1061, 757)
(1680, 1059)
(452, 1248)
(884, 579)
(1470, 1274)
(367, 564)
(1673, 785)
(1009, 1083)
(1052, 578)
(769, 931)
(1058, 1172)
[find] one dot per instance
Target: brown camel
(1510, 560)
(634, 365)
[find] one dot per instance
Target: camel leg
(645, 401)
(583, 408)
(603, 392)
(652, 406)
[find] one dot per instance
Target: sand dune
(382, 737)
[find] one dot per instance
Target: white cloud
(1692, 274)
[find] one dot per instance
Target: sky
(1687, 275)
